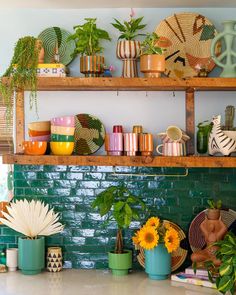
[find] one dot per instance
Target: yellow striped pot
(128, 51)
(92, 66)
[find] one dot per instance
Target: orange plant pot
(92, 66)
(152, 65)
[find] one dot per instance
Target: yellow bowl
(62, 148)
(40, 126)
(62, 130)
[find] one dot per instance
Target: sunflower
(148, 237)
(153, 221)
(171, 239)
(135, 238)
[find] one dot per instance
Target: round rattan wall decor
(55, 40)
(187, 39)
(89, 134)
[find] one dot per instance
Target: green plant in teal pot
(118, 205)
(34, 220)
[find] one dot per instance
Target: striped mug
(171, 149)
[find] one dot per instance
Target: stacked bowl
(62, 135)
(39, 134)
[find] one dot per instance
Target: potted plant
(225, 274)
(34, 220)
(119, 205)
(127, 48)
(158, 239)
(152, 60)
(88, 38)
(213, 211)
(28, 52)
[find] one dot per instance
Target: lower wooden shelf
(155, 161)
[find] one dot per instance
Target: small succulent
(214, 204)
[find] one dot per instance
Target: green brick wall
(71, 190)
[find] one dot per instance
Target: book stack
(189, 277)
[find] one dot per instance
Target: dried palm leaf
(32, 219)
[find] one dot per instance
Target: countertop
(89, 282)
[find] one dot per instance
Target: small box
(51, 70)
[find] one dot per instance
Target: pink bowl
(66, 121)
(41, 138)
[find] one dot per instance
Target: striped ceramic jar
(128, 51)
(92, 66)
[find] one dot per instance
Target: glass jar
(204, 129)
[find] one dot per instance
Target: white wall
(154, 110)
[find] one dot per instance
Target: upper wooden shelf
(158, 161)
(138, 84)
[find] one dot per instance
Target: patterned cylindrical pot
(54, 259)
(92, 66)
(130, 144)
(114, 144)
(128, 51)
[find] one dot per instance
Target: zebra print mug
(171, 149)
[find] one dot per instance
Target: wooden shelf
(135, 84)
(158, 161)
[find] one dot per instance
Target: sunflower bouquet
(155, 232)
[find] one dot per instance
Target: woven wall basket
(187, 39)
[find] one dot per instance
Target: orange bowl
(34, 147)
(33, 133)
(40, 126)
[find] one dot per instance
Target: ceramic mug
(12, 259)
(114, 144)
(146, 144)
(172, 149)
(130, 144)
(173, 134)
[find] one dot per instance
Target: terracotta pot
(152, 65)
(213, 214)
(128, 51)
(92, 66)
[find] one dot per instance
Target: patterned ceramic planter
(128, 51)
(54, 259)
(92, 66)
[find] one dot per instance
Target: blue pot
(158, 263)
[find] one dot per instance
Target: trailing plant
(154, 232)
(129, 30)
(88, 37)
(119, 205)
(150, 45)
(214, 204)
(32, 219)
(226, 279)
(21, 72)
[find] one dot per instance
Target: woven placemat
(89, 134)
(177, 257)
(54, 39)
(187, 39)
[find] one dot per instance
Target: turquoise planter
(158, 263)
(31, 255)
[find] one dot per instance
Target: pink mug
(114, 144)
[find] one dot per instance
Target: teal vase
(226, 58)
(31, 255)
(158, 263)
